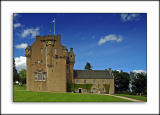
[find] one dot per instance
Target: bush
(84, 86)
(107, 87)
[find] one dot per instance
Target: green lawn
(21, 95)
(142, 98)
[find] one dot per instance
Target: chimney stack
(71, 49)
(110, 71)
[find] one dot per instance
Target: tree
(139, 84)
(15, 73)
(122, 80)
(88, 66)
(22, 75)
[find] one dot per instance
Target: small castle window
(56, 56)
(55, 51)
(44, 76)
(85, 81)
(94, 90)
(103, 90)
(41, 51)
(94, 81)
(76, 80)
(39, 76)
(103, 81)
(84, 90)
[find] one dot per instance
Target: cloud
(16, 15)
(118, 71)
(20, 63)
(22, 46)
(111, 37)
(129, 17)
(139, 71)
(17, 25)
(30, 31)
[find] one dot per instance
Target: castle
(50, 68)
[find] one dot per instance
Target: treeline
(18, 76)
(133, 83)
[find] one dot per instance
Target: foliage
(21, 95)
(88, 66)
(122, 80)
(72, 87)
(107, 87)
(139, 83)
(84, 86)
(22, 75)
(15, 73)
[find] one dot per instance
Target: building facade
(50, 68)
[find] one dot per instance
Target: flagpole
(54, 26)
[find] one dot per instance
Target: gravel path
(127, 98)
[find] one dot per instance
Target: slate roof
(92, 74)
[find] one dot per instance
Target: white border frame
(151, 8)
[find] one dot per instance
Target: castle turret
(71, 63)
(71, 56)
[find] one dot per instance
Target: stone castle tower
(49, 65)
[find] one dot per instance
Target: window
(94, 90)
(41, 51)
(85, 81)
(103, 81)
(103, 90)
(84, 90)
(44, 76)
(94, 81)
(56, 56)
(40, 76)
(76, 80)
(55, 51)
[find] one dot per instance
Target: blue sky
(106, 40)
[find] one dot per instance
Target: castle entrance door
(80, 90)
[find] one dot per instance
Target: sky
(105, 40)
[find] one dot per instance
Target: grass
(21, 95)
(142, 98)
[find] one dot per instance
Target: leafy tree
(22, 75)
(15, 73)
(122, 80)
(139, 84)
(88, 66)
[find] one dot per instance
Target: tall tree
(15, 73)
(122, 80)
(22, 75)
(139, 84)
(88, 66)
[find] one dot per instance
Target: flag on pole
(53, 20)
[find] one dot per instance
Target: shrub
(107, 87)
